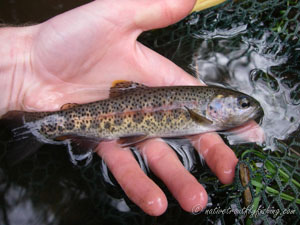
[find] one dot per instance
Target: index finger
(218, 156)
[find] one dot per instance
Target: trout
(132, 113)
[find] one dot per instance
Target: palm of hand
(82, 51)
(88, 48)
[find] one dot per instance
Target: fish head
(232, 109)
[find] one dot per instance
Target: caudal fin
(20, 140)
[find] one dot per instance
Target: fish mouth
(261, 112)
(258, 114)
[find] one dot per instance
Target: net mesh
(62, 194)
(273, 176)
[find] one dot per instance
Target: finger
(137, 186)
(155, 14)
(249, 132)
(141, 15)
(156, 70)
(164, 163)
(218, 156)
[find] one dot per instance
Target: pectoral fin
(199, 118)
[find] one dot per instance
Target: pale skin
(70, 57)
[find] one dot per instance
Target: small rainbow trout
(132, 113)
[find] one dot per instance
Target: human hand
(71, 56)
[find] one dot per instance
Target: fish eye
(243, 102)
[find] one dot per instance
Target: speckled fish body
(135, 110)
(152, 112)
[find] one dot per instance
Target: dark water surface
(242, 49)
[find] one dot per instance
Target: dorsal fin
(68, 106)
(120, 87)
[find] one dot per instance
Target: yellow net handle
(204, 4)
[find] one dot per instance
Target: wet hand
(80, 52)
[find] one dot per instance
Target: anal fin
(81, 149)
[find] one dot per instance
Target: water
(229, 59)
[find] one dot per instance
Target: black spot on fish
(69, 125)
(51, 128)
(107, 125)
(97, 122)
(158, 116)
(186, 114)
(176, 113)
(118, 120)
(138, 117)
(82, 126)
(43, 129)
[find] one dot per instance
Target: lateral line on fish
(151, 109)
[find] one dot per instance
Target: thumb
(153, 14)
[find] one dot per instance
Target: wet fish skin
(135, 110)
(154, 112)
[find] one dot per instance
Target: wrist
(15, 65)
